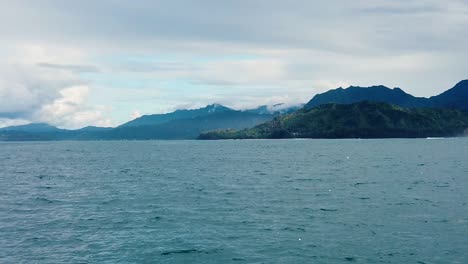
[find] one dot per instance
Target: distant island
(354, 112)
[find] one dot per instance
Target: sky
(78, 63)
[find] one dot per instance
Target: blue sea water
(258, 201)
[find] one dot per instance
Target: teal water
(261, 201)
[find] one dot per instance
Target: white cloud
(32, 93)
(294, 50)
(23, 88)
(69, 110)
(135, 114)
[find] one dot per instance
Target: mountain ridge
(156, 119)
(32, 127)
(454, 98)
(189, 123)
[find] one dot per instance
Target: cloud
(403, 8)
(157, 55)
(135, 114)
(69, 110)
(44, 94)
(209, 25)
(24, 89)
(72, 68)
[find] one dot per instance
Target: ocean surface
(259, 201)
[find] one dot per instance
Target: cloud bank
(78, 63)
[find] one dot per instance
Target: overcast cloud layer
(79, 63)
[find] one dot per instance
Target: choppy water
(291, 201)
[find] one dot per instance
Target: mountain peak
(157, 119)
(455, 98)
(462, 83)
(377, 93)
(217, 108)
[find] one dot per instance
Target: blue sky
(78, 63)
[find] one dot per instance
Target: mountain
(32, 128)
(186, 124)
(276, 109)
(189, 128)
(31, 132)
(355, 94)
(9, 135)
(209, 118)
(455, 98)
(157, 119)
(359, 120)
(392, 113)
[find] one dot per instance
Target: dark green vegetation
(358, 120)
(354, 112)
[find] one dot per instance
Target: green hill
(358, 120)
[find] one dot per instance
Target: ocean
(253, 201)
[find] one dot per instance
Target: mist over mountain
(157, 119)
(376, 111)
(358, 120)
(181, 124)
(371, 112)
(275, 109)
